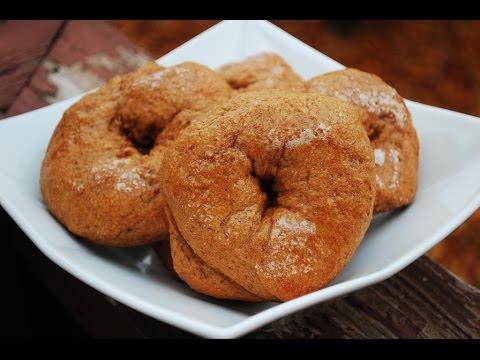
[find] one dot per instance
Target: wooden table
(43, 62)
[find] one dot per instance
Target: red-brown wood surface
(423, 301)
(81, 56)
(22, 45)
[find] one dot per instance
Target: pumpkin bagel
(268, 195)
(390, 129)
(100, 173)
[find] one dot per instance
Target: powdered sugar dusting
(277, 70)
(240, 184)
(111, 165)
(289, 253)
(77, 185)
(259, 57)
(325, 130)
(285, 224)
(126, 176)
(307, 136)
(379, 102)
(122, 187)
(379, 157)
(207, 218)
(273, 138)
(379, 181)
(155, 80)
(393, 154)
(129, 180)
(394, 159)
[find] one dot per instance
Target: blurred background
(433, 62)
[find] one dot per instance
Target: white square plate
(449, 191)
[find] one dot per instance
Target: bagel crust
(260, 72)
(270, 193)
(99, 176)
(390, 129)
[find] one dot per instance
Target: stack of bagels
(251, 183)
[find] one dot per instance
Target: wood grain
(422, 301)
(22, 41)
(85, 55)
(22, 45)
(11, 82)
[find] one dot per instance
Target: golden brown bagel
(268, 195)
(389, 127)
(262, 71)
(99, 176)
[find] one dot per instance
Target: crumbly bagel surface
(271, 191)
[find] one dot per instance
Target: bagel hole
(376, 129)
(266, 185)
(374, 134)
(144, 143)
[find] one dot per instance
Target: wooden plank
(85, 38)
(86, 55)
(423, 301)
(27, 99)
(22, 45)
(24, 40)
(11, 82)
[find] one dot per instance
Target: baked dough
(100, 173)
(268, 195)
(262, 71)
(389, 127)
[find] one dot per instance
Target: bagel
(262, 71)
(99, 176)
(389, 127)
(268, 195)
